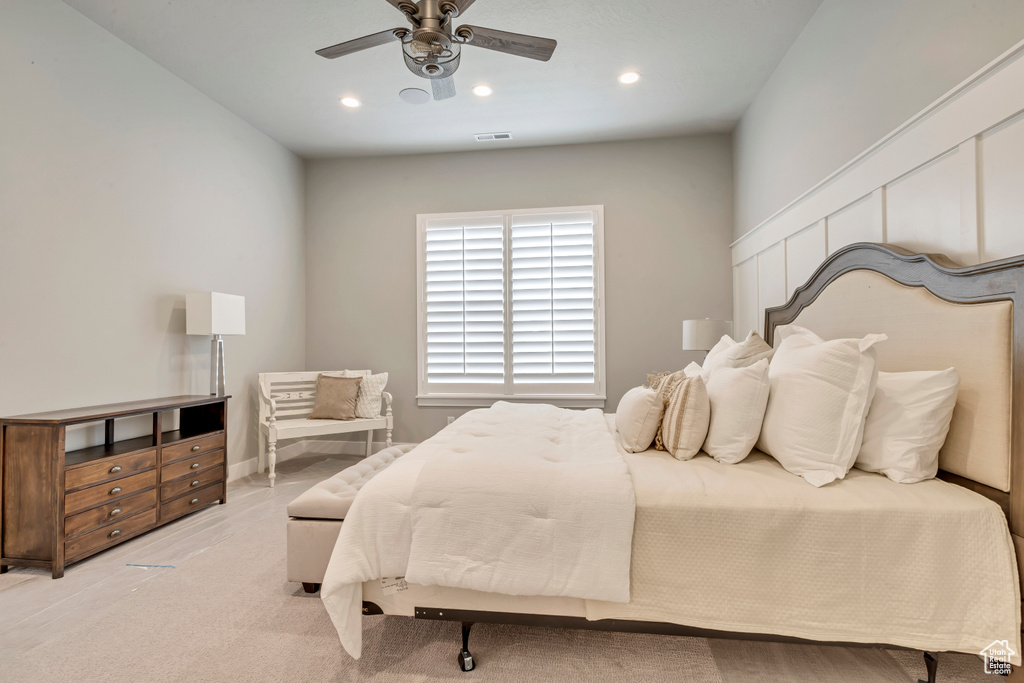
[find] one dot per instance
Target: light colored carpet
(226, 613)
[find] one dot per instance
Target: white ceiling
(702, 61)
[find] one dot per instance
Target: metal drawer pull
(195, 448)
(193, 501)
(195, 466)
(115, 532)
(115, 469)
(115, 512)
(195, 483)
(116, 490)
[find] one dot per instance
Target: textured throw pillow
(335, 398)
(638, 417)
(907, 424)
(687, 414)
(738, 398)
(819, 396)
(731, 354)
(664, 383)
(368, 401)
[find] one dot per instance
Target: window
(510, 307)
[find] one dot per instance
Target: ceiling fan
(432, 48)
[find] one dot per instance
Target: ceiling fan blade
(443, 88)
(372, 40)
(511, 43)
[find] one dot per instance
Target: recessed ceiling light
(350, 102)
(414, 96)
(482, 91)
(629, 77)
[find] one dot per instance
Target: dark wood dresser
(62, 506)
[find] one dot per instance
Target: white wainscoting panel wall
(950, 180)
(804, 253)
(862, 221)
(1001, 155)
(771, 276)
(745, 293)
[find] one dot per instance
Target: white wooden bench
(286, 400)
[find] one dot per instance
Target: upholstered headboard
(936, 315)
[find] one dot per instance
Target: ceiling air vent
(487, 137)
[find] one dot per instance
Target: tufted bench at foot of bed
(315, 517)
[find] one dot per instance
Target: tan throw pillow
(687, 416)
(335, 398)
(370, 391)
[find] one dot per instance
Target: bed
(749, 550)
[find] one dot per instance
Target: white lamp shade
(214, 313)
(702, 335)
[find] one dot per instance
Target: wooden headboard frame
(987, 282)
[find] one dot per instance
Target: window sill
(482, 401)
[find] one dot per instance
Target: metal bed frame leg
(931, 665)
(466, 662)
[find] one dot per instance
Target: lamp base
(218, 378)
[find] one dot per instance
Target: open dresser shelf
(60, 506)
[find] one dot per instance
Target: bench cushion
(293, 429)
(331, 498)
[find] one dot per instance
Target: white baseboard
(297, 448)
(242, 469)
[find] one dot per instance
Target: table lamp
(217, 314)
(702, 335)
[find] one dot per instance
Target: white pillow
(638, 417)
(687, 414)
(819, 396)
(738, 398)
(907, 424)
(730, 354)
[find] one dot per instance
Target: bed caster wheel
(466, 661)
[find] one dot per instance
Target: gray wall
(667, 233)
(859, 69)
(121, 189)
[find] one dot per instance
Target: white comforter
(513, 499)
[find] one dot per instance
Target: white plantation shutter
(553, 300)
(465, 301)
(510, 306)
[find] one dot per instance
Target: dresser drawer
(109, 535)
(193, 500)
(183, 468)
(173, 489)
(184, 449)
(108, 468)
(101, 493)
(113, 511)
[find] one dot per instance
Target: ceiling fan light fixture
(482, 91)
(629, 78)
(350, 102)
(414, 96)
(432, 47)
